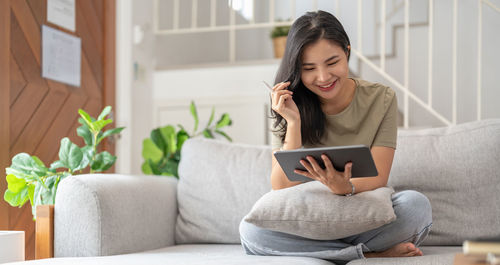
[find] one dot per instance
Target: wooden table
(461, 259)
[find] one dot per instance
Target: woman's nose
(323, 75)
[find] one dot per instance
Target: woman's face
(324, 69)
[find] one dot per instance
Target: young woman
(315, 103)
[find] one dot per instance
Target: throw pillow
(311, 210)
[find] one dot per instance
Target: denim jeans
(413, 222)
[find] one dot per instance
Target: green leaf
(87, 153)
(104, 113)
(146, 169)
(31, 193)
(182, 136)
(224, 120)
(192, 108)
(151, 151)
(103, 161)
(158, 140)
(16, 199)
(84, 132)
(154, 167)
(211, 117)
(70, 154)
(224, 134)
(182, 128)
(86, 117)
(38, 161)
(24, 166)
(168, 135)
(15, 184)
(208, 134)
(109, 132)
(99, 124)
(170, 167)
(57, 164)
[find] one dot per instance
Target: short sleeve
(388, 130)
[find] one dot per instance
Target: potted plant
(29, 179)
(278, 35)
(162, 151)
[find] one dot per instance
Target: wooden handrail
(44, 235)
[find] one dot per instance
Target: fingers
(281, 102)
(315, 165)
(305, 174)
(348, 170)
(328, 163)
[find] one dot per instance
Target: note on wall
(61, 56)
(61, 13)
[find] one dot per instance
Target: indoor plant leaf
(103, 161)
(23, 164)
(99, 124)
(169, 136)
(70, 154)
(57, 164)
(16, 198)
(151, 151)
(84, 132)
(182, 136)
(15, 184)
(211, 117)
(104, 113)
(86, 117)
(192, 108)
(224, 134)
(208, 134)
(109, 132)
(159, 140)
(146, 169)
(224, 120)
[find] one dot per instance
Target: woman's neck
(337, 105)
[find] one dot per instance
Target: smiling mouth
(328, 87)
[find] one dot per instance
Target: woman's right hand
(282, 103)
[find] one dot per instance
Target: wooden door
(35, 113)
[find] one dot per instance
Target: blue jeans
(413, 222)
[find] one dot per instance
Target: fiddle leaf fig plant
(29, 179)
(162, 150)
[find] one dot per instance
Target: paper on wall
(62, 13)
(61, 56)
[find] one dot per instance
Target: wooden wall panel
(36, 113)
(4, 105)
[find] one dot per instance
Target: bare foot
(399, 250)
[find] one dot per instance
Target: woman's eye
(333, 63)
(308, 69)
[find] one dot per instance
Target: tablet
(359, 155)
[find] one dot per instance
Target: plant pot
(279, 44)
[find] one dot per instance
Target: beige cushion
(311, 210)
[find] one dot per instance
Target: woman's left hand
(338, 182)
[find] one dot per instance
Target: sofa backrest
(456, 167)
(218, 184)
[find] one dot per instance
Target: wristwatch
(352, 191)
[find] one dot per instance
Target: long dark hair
(307, 29)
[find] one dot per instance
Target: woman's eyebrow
(329, 59)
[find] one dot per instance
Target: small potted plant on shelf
(30, 180)
(278, 35)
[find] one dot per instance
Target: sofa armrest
(108, 214)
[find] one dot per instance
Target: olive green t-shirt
(370, 119)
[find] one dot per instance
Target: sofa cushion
(218, 184)
(311, 210)
(458, 169)
(208, 254)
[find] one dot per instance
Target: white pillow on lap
(311, 210)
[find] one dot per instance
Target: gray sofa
(123, 219)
